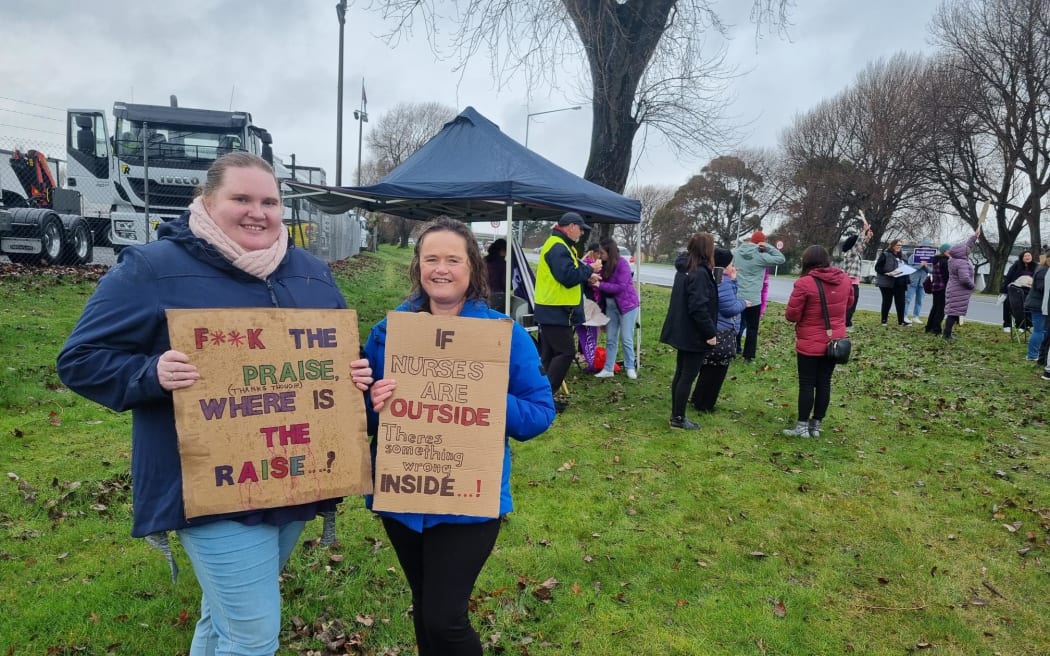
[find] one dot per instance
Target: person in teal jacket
(752, 258)
(442, 555)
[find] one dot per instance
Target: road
(983, 309)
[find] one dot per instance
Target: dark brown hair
(478, 287)
(612, 253)
(701, 249)
(815, 257)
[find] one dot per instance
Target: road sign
(779, 244)
(494, 224)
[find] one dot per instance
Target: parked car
(627, 255)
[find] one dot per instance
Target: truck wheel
(51, 240)
(78, 248)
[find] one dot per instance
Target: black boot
(684, 422)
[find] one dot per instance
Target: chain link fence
(80, 197)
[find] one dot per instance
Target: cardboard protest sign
(274, 419)
(441, 434)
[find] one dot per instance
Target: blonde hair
(238, 159)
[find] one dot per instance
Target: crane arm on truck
(35, 176)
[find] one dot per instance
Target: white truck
(119, 186)
(146, 171)
(40, 223)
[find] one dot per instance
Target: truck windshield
(174, 143)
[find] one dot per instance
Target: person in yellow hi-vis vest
(559, 297)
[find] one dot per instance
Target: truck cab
(146, 171)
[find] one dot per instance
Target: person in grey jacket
(751, 259)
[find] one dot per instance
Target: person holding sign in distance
(442, 554)
(229, 250)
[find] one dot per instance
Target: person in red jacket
(811, 337)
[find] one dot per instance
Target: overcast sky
(278, 60)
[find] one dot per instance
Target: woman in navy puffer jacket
(811, 337)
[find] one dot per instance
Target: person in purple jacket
(960, 283)
(621, 306)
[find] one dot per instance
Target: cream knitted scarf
(259, 263)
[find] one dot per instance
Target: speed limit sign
(780, 244)
(494, 224)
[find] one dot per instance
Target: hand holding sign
(174, 371)
(381, 391)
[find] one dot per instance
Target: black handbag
(838, 350)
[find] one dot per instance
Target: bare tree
(645, 58)
(653, 198)
(863, 150)
(397, 134)
(995, 108)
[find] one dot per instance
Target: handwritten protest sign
(274, 419)
(441, 434)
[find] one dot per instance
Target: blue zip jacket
(729, 306)
(530, 406)
(111, 356)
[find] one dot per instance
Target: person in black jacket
(1025, 265)
(892, 287)
(692, 320)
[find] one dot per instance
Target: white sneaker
(907, 321)
(916, 319)
(604, 373)
(1006, 329)
(632, 374)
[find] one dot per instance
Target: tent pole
(638, 288)
(509, 271)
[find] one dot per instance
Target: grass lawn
(918, 522)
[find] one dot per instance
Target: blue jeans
(237, 567)
(1035, 340)
(914, 290)
(620, 328)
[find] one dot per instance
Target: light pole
(528, 118)
(340, 12)
(361, 116)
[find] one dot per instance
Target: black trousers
(894, 295)
(949, 324)
(749, 318)
(708, 386)
(557, 351)
(933, 322)
(687, 367)
(853, 306)
(442, 564)
(814, 386)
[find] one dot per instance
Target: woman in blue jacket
(229, 250)
(442, 555)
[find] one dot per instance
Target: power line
(20, 127)
(46, 118)
(26, 102)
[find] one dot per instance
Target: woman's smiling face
(247, 207)
(444, 271)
